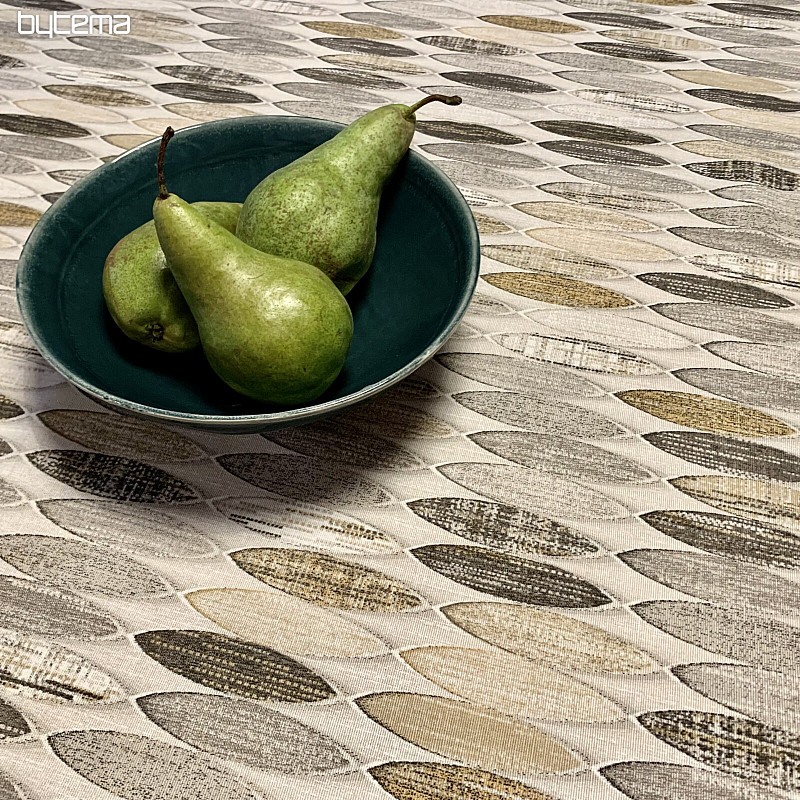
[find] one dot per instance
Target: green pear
(140, 292)
(272, 328)
(323, 207)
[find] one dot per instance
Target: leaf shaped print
(8, 408)
(119, 435)
(536, 414)
(648, 780)
(39, 670)
(39, 610)
(748, 497)
(285, 623)
(717, 579)
(782, 362)
(12, 726)
(551, 639)
(613, 329)
(75, 565)
(576, 353)
(326, 580)
(769, 697)
(548, 260)
(749, 750)
(333, 440)
(611, 245)
(302, 478)
(744, 387)
(243, 731)
(128, 526)
(561, 455)
(705, 413)
(113, 477)
(726, 454)
(534, 490)
(731, 632)
(140, 768)
(475, 736)
(741, 539)
(229, 665)
(423, 780)
(505, 528)
(547, 288)
(510, 577)
(517, 374)
(707, 289)
(526, 690)
(303, 525)
(386, 416)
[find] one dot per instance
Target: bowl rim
(25, 265)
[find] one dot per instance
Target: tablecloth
(560, 561)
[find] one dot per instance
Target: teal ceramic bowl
(420, 283)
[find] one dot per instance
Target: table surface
(561, 560)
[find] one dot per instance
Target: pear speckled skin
(140, 293)
(323, 208)
(273, 329)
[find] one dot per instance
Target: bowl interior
(422, 276)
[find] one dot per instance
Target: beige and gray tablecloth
(561, 561)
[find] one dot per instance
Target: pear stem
(162, 186)
(451, 100)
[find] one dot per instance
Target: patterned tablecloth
(561, 560)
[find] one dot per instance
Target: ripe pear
(274, 329)
(323, 207)
(140, 292)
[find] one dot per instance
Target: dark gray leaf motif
(370, 46)
(745, 99)
(350, 77)
(717, 579)
(501, 527)
(731, 632)
(742, 539)
(327, 580)
(498, 82)
(303, 478)
(752, 171)
(466, 132)
(594, 131)
(648, 780)
(749, 750)
(9, 409)
(39, 670)
(206, 93)
(603, 153)
(243, 731)
(96, 95)
(595, 62)
(333, 440)
(758, 10)
(769, 697)
(75, 565)
(225, 664)
(561, 455)
(12, 725)
(618, 20)
(461, 44)
(214, 76)
(636, 52)
(39, 610)
(700, 287)
(511, 577)
(727, 454)
(41, 126)
(538, 415)
(96, 60)
(113, 477)
(140, 768)
(128, 526)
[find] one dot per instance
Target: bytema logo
(73, 24)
